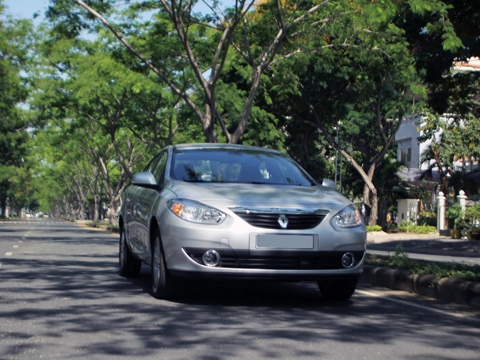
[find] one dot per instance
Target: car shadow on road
(240, 292)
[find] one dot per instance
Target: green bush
(97, 224)
(114, 228)
(103, 224)
(400, 259)
(472, 217)
(374, 228)
(407, 226)
(427, 218)
(410, 227)
(454, 215)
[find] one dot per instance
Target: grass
(399, 260)
(406, 227)
(409, 227)
(374, 228)
(103, 225)
(97, 224)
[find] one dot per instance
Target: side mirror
(145, 179)
(329, 183)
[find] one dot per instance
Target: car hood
(259, 195)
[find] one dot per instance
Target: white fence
(442, 223)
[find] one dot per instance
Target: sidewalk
(429, 247)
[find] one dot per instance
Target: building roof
(472, 64)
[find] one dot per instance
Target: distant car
(238, 212)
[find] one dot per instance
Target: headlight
(348, 217)
(195, 212)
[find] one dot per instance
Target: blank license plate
(284, 242)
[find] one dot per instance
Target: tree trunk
(112, 211)
(444, 180)
(370, 197)
(96, 203)
(3, 206)
(208, 121)
(374, 209)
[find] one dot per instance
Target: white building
(409, 150)
(473, 64)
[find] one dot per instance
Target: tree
(348, 65)
(450, 93)
(14, 45)
(89, 109)
(361, 82)
(222, 31)
(453, 135)
(433, 58)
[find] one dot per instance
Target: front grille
(270, 220)
(279, 261)
(318, 262)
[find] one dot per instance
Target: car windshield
(234, 166)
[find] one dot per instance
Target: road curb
(445, 289)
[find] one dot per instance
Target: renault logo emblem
(283, 221)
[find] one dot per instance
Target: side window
(152, 164)
(158, 169)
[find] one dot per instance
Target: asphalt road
(61, 298)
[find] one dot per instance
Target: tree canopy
(14, 90)
(102, 85)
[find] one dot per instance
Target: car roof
(222, 146)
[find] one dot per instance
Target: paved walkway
(430, 247)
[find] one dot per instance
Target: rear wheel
(341, 289)
(161, 280)
(128, 264)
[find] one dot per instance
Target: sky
(25, 8)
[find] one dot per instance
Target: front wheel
(128, 264)
(161, 280)
(341, 289)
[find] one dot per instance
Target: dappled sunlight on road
(60, 293)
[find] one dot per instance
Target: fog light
(348, 260)
(211, 258)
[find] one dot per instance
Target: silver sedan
(238, 212)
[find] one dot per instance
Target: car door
(131, 217)
(133, 213)
(147, 199)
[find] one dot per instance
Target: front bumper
(247, 252)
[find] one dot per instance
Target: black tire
(128, 264)
(162, 282)
(340, 290)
